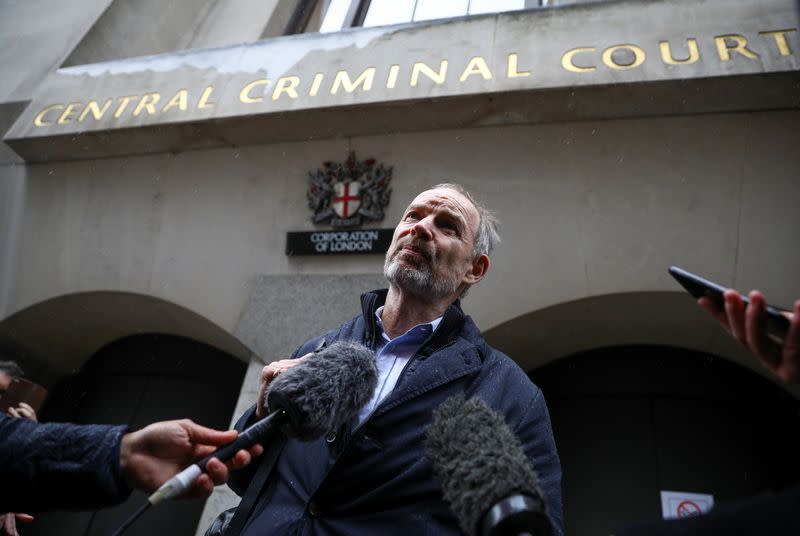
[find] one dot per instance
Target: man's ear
(479, 267)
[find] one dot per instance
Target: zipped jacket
(376, 478)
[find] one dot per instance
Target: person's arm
(748, 324)
(72, 467)
(47, 466)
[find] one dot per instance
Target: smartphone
(22, 390)
(777, 323)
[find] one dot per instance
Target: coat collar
(422, 374)
(451, 325)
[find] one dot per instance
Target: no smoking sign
(682, 504)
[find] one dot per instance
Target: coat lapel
(442, 358)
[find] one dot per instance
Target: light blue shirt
(391, 356)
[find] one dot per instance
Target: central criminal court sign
(265, 93)
(596, 45)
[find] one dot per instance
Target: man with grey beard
(372, 476)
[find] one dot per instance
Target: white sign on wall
(680, 504)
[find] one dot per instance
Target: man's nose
(422, 229)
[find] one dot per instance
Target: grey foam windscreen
(326, 390)
(478, 459)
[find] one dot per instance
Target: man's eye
(411, 216)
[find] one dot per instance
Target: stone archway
(647, 393)
(135, 381)
(57, 336)
(633, 421)
(644, 318)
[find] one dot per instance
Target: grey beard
(419, 281)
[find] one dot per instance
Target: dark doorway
(136, 381)
(631, 421)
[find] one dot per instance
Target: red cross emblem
(346, 199)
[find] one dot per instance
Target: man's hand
(23, 411)
(748, 324)
(268, 373)
(156, 453)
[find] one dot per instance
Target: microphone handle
(254, 434)
(183, 480)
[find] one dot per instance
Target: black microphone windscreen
(478, 459)
(326, 390)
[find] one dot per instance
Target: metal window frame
(356, 13)
(360, 13)
(299, 19)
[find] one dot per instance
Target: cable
(131, 519)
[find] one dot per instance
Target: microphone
(325, 391)
(306, 401)
(486, 477)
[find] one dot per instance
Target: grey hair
(488, 237)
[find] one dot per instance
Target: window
(336, 15)
(380, 12)
(333, 15)
(383, 12)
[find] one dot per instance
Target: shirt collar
(416, 329)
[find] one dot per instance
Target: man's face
(431, 250)
(5, 382)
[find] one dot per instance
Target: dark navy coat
(59, 466)
(375, 478)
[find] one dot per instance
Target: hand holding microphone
(150, 456)
(318, 394)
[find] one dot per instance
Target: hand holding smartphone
(771, 334)
(22, 390)
(777, 322)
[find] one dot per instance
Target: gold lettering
(286, 84)
(148, 102)
(244, 95)
(343, 79)
(420, 67)
(739, 45)
(95, 110)
(638, 57)
(780, 40)
(391, 81)
(123, 103)
(476, 65)
(315, 85)
(513, 69)
(180, 100)
(568, 63)
(39, 119)
(67, 115)
(669, 59)
(203, 103)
